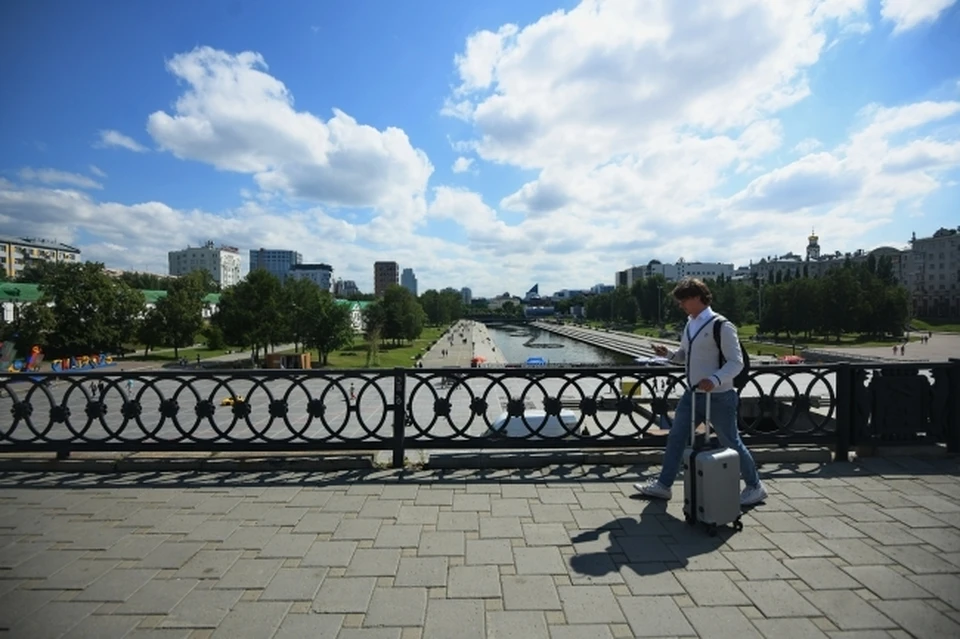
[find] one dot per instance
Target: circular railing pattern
(462, 408)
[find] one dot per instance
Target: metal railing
(837, 405)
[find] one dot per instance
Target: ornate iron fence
(398, 410)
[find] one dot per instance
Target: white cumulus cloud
(110, 138)
(53, 176)
(462, 164)
(907, 14)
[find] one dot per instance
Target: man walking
(699, 353)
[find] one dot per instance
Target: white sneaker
(655, 489)
(753, 495)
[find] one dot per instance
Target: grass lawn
(390, 356)
(935, 326)
(167, 355)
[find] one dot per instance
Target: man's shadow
(655, 542)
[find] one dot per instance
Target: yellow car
(231, 400)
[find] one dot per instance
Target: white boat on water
(538, 425)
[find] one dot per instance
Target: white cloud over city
(644, 129)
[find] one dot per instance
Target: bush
(214, 337)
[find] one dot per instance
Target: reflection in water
(512, 340)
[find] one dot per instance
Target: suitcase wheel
(738, 525)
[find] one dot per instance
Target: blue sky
(489, 145)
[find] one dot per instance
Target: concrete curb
(212, 464)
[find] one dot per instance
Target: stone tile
(248, 574)
(463, 521)
(473, 582)
(919, 618)
(711, 588)
(546, 535)
(887, 533)
(208, 564)
(380, 509)
(696, 557)
(329, 553)
(79, 574)
(778, 599)
(510, 508)
(422, 571)
(442, 543)
(749, 540)
(251, 619)
(593, 519)
(780, 521)
(790, 629)
(374, 562)
(650, 579)
(833, 527)
(357, 529)
(914, 517)
(943, 539)
(518, 491)
(864, 513)
(721, 622)
(935, 503)
(594, 568)
(180, 523)
(655, 617)
(294, 584)
(344, 594)
(298, 626)
(820, 574)
(17, 604)
(916, 560)
(526, 592)
(551, 495)
(344, 504)
(397, 607)
(510, 624)
(500, 527)
(157, 597)
(856, 552)
(202, 609)
(642, 549)
(403, 492)
(544, 560)
(53, 620)
(798, 545)
(430, 496)
(117, 585)
(398, 536)
(946, 587)
(418, 515)
(249, 538)
(472, 503)
(317, 523)
(551, 513)
(757, 564)
(848, 611)
(103, 627)
(589, 604)
(489, 551)
(213, 530)
(288, 546)
(885, 583)
(594, 631)
(816, 507)
(459, 618)
(44, 565)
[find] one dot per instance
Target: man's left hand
(705, 385)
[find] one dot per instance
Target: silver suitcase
(711, 479)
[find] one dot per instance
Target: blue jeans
(723, 418)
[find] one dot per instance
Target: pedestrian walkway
(462, 342)
(560, 552)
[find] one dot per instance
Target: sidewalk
(561, 552)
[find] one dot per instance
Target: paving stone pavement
(841, 551)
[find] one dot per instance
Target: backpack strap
(717, 327)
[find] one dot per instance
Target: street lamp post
(659, 302)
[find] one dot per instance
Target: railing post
(399, 415)
(953, 409)
(845, 402)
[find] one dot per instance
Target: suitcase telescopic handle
(693, 416)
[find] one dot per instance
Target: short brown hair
(690, 287)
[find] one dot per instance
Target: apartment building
(933, 274)
(16, 253)
(277, 262)
(319, 274)
(223, 262)
(385, 275)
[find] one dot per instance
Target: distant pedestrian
(903, 350)
(894, 349)
(129, 386)
(101, 388)
(93, 389)
(353, 394)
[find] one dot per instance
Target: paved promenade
(841, 551)
(462, 342)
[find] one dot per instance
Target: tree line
(83, 309)
(853, 298)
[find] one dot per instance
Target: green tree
(301, 302)
(331, 329)
(250, 312)
(181, 311)
(151, 332)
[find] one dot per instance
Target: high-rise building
(345, 288)
(319, 274)
(385, 274)
(223, 263)
(274, 261)
(409, 281)
(16, 253)
(933, 274)
(466, 295)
